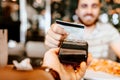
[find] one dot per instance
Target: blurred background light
(115, 16)
(104, 18)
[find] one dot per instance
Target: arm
(116, 48)
(53, 69)
(115, 41)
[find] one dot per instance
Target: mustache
(89, 15)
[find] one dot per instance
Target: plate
(107, 66)
(98, 75)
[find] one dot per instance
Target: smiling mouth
(88, 17)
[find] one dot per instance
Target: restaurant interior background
(28, 20)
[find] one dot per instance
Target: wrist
(53, 73)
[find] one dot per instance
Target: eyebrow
(91, 4)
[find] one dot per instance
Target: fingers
(54, 50)
(51, 42)
(83, 66)
(57, 32)
(89, 59)
(51, 59)
(57, 29)
(81, 71)
(70, 69)
(54, 36)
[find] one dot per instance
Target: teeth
(88, 17)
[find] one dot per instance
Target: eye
(84, 5)
(95, 5)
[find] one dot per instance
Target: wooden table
(9, 73)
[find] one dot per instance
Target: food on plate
(107, 66)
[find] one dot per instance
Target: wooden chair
(3, 47)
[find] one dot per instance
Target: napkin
(23, 65)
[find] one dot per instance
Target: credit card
(75, 31)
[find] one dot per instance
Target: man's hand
(54, 36)
(66, 72)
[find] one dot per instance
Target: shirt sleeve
(114, 35)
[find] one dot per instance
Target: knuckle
(54, 27)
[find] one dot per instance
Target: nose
(89, 10)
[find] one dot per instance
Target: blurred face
(88, 11)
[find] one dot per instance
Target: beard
(88, 23)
